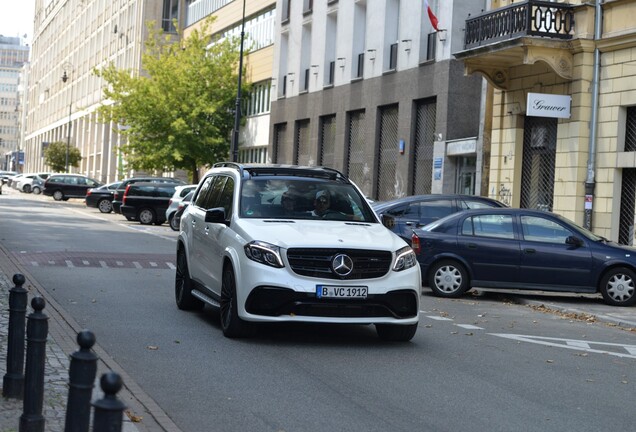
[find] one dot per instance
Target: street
(485, 362)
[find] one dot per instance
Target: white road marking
(34, 263)
(469, 327)
(137, 265)
(170, 265)
(119, 263)
(69, 264)
(621, 350)
(103, 264)
(85, 262)
(152, 264)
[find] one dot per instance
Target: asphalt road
(480, 363)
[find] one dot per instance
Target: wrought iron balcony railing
(532, 18)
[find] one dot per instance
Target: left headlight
(405, 259)
(264, 253)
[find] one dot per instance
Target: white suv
(268, 243)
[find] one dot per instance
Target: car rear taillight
(415, 244)
(170, 202)
(88, 192)
(125, 195)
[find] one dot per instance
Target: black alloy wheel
(183, 285)
(231, 324)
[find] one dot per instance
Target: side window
(543, 230)
(212, 200)
(91, 183)
(199, 200)
(397, 211)
(474, 204)
(81, 181)
(226, 197)
(432, 210)
(497, 226)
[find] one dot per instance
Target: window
(543, 230)
(497, 226)
(205, 188)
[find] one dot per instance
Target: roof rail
(234, 165)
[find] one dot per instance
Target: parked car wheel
(183, 286)
(396, 333)
(26, 188)
(36, 190)
(618, 287)
(146, 216)
(174, 223)
(231, 324)
(105, 206)
(448, 278)
(58, 195)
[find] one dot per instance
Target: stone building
(564, 107)
(371, 88)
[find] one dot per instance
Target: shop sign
(548, 105)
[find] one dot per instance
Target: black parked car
(522, 249)
(102, 197)
(65, 186)
(147, 202)
(119, 192)
(403, 214)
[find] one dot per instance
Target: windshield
(303, 198)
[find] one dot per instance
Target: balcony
(520, 34)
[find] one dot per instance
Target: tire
(231, 324)
(183, 286)
(448, 278)
(618, 287)
(58, 195)
(36, 190)
(105, 205)
(26, 188)
(174, 224)
(395, 332)
(146, 216)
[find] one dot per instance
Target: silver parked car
(179, 193)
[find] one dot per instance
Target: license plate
(330, 291)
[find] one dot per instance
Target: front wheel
(58, 195)
(146, 216)
(448, 278)
(618, 287)
(105, 205)
(183, 286)
(26, 189)
(396, 333)
(174, 222)
(231, 324)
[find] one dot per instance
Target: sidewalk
(61, 343)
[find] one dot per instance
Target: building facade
(259, 17)
(71, 39)
(14, 55)
(370, 88)
(564, 107)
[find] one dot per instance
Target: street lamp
(70, 108)
(237, 110)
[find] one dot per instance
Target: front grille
(273, 301)
(367, 264)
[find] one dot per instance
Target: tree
(55, 156)
(179, 114)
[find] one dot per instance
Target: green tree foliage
(55, 156)
(180, 113)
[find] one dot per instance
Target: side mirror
(215, 215)
(388, 221)
(574, 241)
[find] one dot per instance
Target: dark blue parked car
(522, 249)
(415, 211)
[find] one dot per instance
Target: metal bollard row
(27, 383)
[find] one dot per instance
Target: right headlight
(405, 259)
(264, 253)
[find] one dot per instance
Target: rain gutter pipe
(589, 181)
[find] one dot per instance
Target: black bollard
(13, 380)
(32, 419)
(109, 411)
(81, 380)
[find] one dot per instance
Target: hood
(320, 234)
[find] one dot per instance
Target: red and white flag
(431, 15)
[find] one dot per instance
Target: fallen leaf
(177, 341)
(549, 361)
(152, 347)
(468, 334)
(133, 418)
